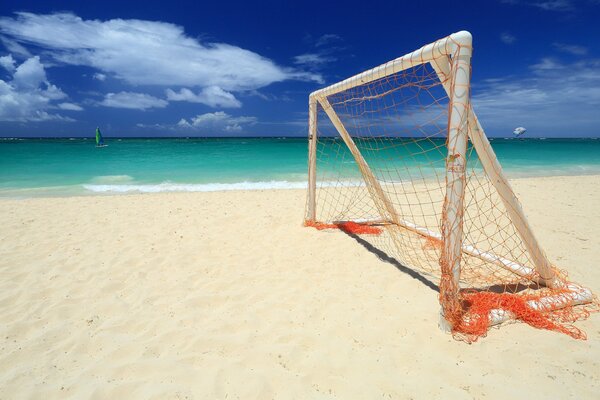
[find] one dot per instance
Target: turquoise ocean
(63, 167)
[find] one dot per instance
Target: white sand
(226, 295)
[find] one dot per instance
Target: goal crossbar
(425, 54)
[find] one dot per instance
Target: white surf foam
(191, 187)
(207, 187)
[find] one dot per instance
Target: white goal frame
(450, 58)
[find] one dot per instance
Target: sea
(66, 167)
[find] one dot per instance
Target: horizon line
(273, 137)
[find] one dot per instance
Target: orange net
(399, 150)
(348, 227)
(475, 321)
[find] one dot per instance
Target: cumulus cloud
(207, 124)
(555, 99)
(98, 76)
(28, 95)
(8, 63)
(216, 122)
(135, 101)
(142, 52)
(70, 107)
(30, 74)
(212, 96)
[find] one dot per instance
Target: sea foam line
(207, 187)
(193, 187)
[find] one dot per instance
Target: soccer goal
(397, 155)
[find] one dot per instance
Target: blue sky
(155, 68)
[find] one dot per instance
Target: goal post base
(573, 295)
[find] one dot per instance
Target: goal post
(452, 223)
(312, 159)
(492, 167)
(383, 139)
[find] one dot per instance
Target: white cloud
(554, 5)
(328, 38)
(41, 116)
(546, 64)
(216, 122)
(571, 49)
(30, 74)
(270, 96)
(325, 49)
(219, 120)
(507, 38)
(8, 63)
(547, 5)
(135, 101)
(147, 52)
(212, 96)
(15, 48)
(313, 59)
(28, 94)
(557, 99)
(70, 107)
(98, 76)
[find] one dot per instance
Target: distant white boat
(519, 131)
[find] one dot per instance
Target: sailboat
(519, 131)
(99, 139)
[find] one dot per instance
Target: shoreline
(99, 189)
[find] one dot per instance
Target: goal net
(396, 154)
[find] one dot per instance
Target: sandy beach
(225, 295)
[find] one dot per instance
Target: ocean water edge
(75, 167)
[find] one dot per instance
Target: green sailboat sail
(99, 139)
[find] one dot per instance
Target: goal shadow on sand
(383, 256)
